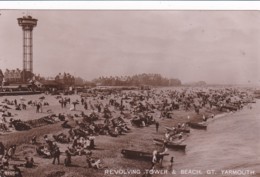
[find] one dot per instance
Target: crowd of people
(115, 112)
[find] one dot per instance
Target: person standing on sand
(62, 102)
(65, 103)
(37, 108)
(171, 161)
(73, 106)
(67, 161)
(154, 159)
(170, 167)
(85, 105)
(56, 155)
(82, 101)
(157, 126)
(40, 107)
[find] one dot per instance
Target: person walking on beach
(62, 102)
(171, 161)
(158, 158)
(85, 105)
(171, 164)
(37, 108)
(65, 103)
(157, 126)
(40, 109)
(67, 161)
(154, 160)
(24, 106)
(82, 101)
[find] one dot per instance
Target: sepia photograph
(129, 93)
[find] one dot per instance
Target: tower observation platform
(27, 23)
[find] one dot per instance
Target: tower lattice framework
(27, 23)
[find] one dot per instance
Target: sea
(229, 147)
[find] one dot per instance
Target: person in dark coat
(82, 101)
(85, 105)
(67, 161)
(157, 126)
(28, 162)
(56, 155)
(171, 161)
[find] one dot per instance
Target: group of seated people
(123, 126)
(81, 144)
(20, 106)
(6, 169)
(61, 138)
(92, 162)
(12, 170)
(3, 126)
(5, 113)
(44, 151)
(119, 130)
(3, 121)
(4, 162)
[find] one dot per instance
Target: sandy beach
(108, 148)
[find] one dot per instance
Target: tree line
(137, 80)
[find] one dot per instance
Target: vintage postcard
(129, 93)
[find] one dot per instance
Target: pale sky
(213, 46)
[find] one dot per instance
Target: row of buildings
(14, 77)
(11, 76)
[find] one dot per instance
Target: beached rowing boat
(169, 144)
(133, 154)
(197, 125)
(137, 154)
(179, 130)
(230, 107)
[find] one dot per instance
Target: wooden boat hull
(178, 130)
(197, 126)
(257, 96)
(158, 140)
(137, 154)
(170, 144)
(232, 108)
(183, 130)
